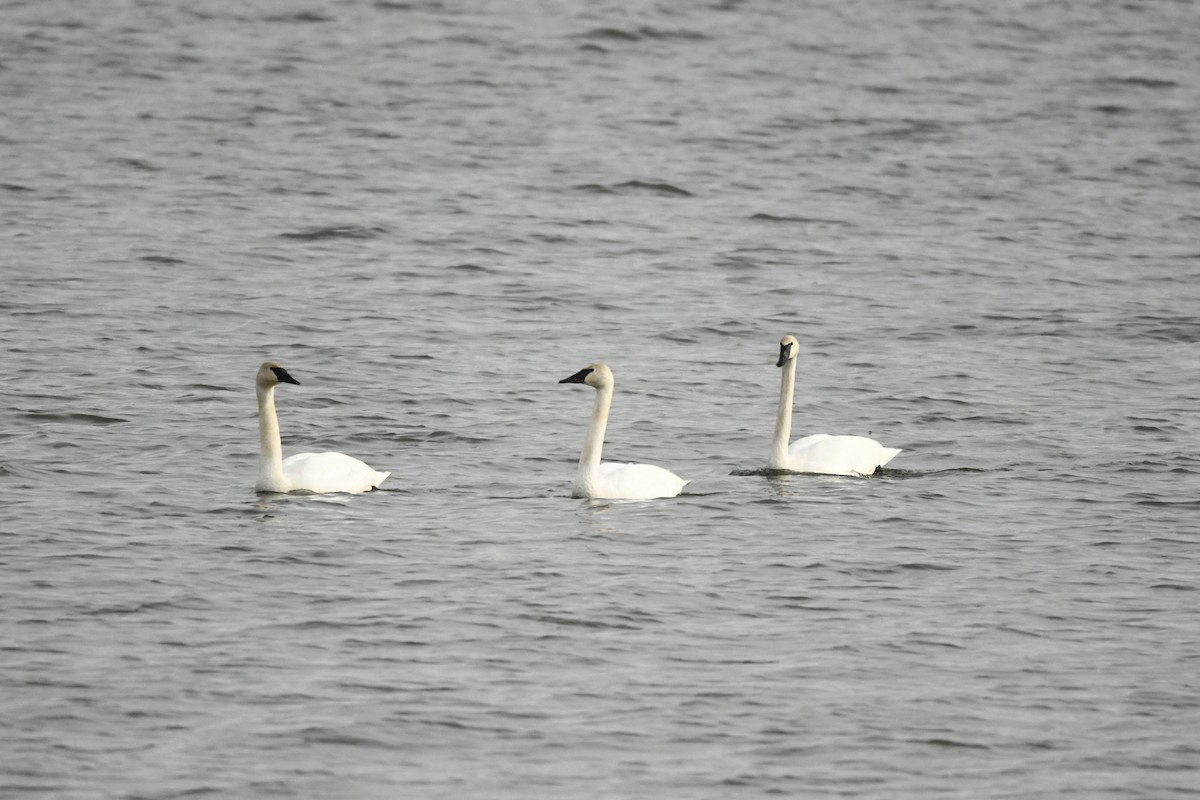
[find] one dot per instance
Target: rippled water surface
(979, 220)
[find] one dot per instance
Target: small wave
(1144, 428)
(736, 261)
(336, 232)
(1019, 631)
(940, 742)
(74, 418)
(1138, 82)
(209, 387)
(640, 34)
(935, 643)
(55, 684)
(137, 163)
(328, 736)
(136, 608)
(155, 259)
(374, 133)
(299, 16)
(946, 332)
(660, 188)
(791, 598)
(764, 217)
(910, 130)
(730, 327)
(1164, 328)
(440, 435)
(555, 619)
(615, 34)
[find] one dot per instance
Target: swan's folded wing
(801, 445)
(331, 472)
(637, 482)
(839, 455)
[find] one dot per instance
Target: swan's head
(271, 373)
(789, 348)
(598, 376)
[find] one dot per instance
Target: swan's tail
(888, 454)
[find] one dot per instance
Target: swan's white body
(320, 473)
(611, 480)
(820, 453)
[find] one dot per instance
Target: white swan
(310, 472)
(609, 480)
(819, 453)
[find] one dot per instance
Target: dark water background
(980, 220)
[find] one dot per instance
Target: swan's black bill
(579, 377)
(785, 352)
(283, 376)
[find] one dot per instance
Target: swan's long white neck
(783, 420)
(589, 463)
(270, 462)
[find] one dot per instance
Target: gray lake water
(980, 220)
